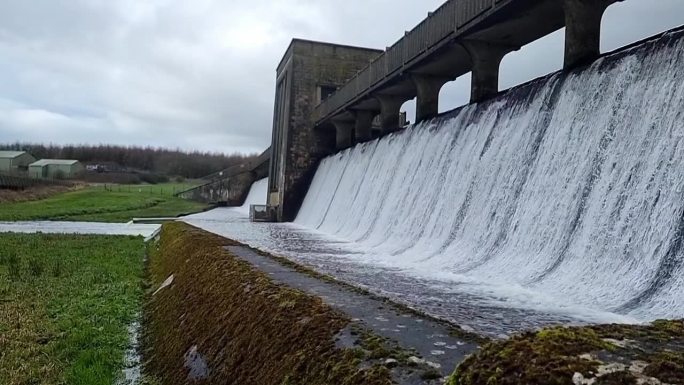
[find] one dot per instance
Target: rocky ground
(600, 355)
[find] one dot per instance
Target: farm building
(55, 168)
(12, 161)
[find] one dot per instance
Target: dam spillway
(562, 200)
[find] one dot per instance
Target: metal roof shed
(56, 168)
(11, 161)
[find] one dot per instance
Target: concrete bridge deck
(459, 37)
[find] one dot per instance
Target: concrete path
(434, 344)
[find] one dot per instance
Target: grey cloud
(200, 74)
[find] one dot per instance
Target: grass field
(112, 203)
(65, 305)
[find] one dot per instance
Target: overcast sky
(200, 74)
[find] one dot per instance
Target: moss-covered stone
(667, 366)
(545, 358)
(617, 378)
(601, 355)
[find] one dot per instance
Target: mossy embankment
(599, 355)
(222, 321)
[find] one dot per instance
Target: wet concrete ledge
(219, 312)
(440, 345)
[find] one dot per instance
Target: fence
(162, 190)
(440, 25)
(20, 182)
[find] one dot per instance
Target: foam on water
(571, 186)
(559, 201)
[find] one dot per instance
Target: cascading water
(571, 186)
(559, 201)
(256, 196)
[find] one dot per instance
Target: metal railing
(240, 168)
(444, 23)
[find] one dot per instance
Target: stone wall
(230, 191)
(230, 187)
(307, 69)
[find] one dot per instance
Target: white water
(567, 190)
(257, 196)
(560, 202)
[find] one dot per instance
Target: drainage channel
(434, 344)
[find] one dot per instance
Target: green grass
(162, 189)
(65, 305)
(106, 204)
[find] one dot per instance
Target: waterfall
(571, 186)
(256, 196)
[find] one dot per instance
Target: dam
(558, 201)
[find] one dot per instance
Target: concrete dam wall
(231, 187)
(571, 186)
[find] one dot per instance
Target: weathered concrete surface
(464, 36)
(583, 30)
(306, 73)
(435, 342)
(220, 321)
(231, 186)
(220, 313)
(328, 95)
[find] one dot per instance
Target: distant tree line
(168, 162)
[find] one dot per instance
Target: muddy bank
(213, 319)
(604, 354)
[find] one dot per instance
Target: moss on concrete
(246, 328)
(454, 330)
(603, 354)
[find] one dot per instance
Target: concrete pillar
(583, 30)
(486, 60)
(427, 102)
(344, 131)
(364, 125)
(390, 107)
